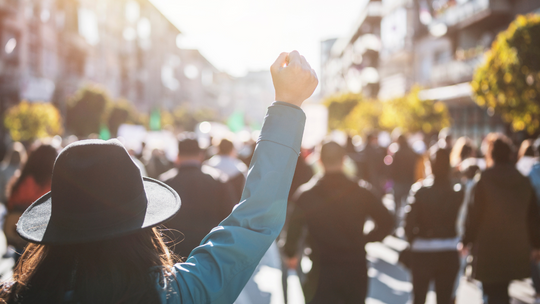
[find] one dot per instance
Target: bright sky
(241, 35)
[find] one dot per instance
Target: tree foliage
(339, 107)
(409, 113)
(29, 121)
(364, 117)
(509, 80)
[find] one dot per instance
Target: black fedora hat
(97, 193)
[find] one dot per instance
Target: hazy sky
(241, 35)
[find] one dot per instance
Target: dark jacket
(206, 201)
(403, 166)
(334, 210)
(370, 166)
(434, 210)
(503, 224)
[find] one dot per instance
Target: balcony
(368, 20)
(455, 71)
(470, 12)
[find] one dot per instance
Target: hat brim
(35, 224)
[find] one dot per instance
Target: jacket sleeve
(295, 231)
(218, 269)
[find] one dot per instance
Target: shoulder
(168, 175)
(214, 173)
(306, 189)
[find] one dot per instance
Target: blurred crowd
(456, 204)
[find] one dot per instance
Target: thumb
(281, 61)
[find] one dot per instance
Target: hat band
(133, 210)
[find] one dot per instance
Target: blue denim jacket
(217, 270)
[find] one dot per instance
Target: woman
(93, 235)
(32, 183)
(526, 157)
(34, 180)
(503, 223)
(15, 158)
(430, 228)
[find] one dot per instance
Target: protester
(526, 157)
(503, 223)
(302, 174)
(534, 177)
(462, 150)
(430, 228)
(402, 172)
(93, 237)
(334, 210)
(370, 164)
(14, 159)
(206, 198)
(157, 163)
(227, 162)
(33, 182)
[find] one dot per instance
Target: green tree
(339, 107)
(509, 80)
(29, 121)
(411, 114)
(354, 114)
(86, 111)
(364, 117)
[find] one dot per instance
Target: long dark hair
(39, 165)
(111, 271)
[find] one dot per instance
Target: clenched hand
(294, 79)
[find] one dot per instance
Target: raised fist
(294, 79)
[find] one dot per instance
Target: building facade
(436, 44)
(50, 48)
(351, 63)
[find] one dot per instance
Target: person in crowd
(402, 172)
(302, 174)
(445, 140)
(462, 150)
(534, 177)
(226, 161)
(334, 210)
(526, 157)
(14, 159)
(137, 162)
(157, 164)
(93, 236)
(370, 164)
(206, 198)
(503, 223)
(430, 228)
(32, 183)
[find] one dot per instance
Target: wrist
(290, 100)
(287, 104)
